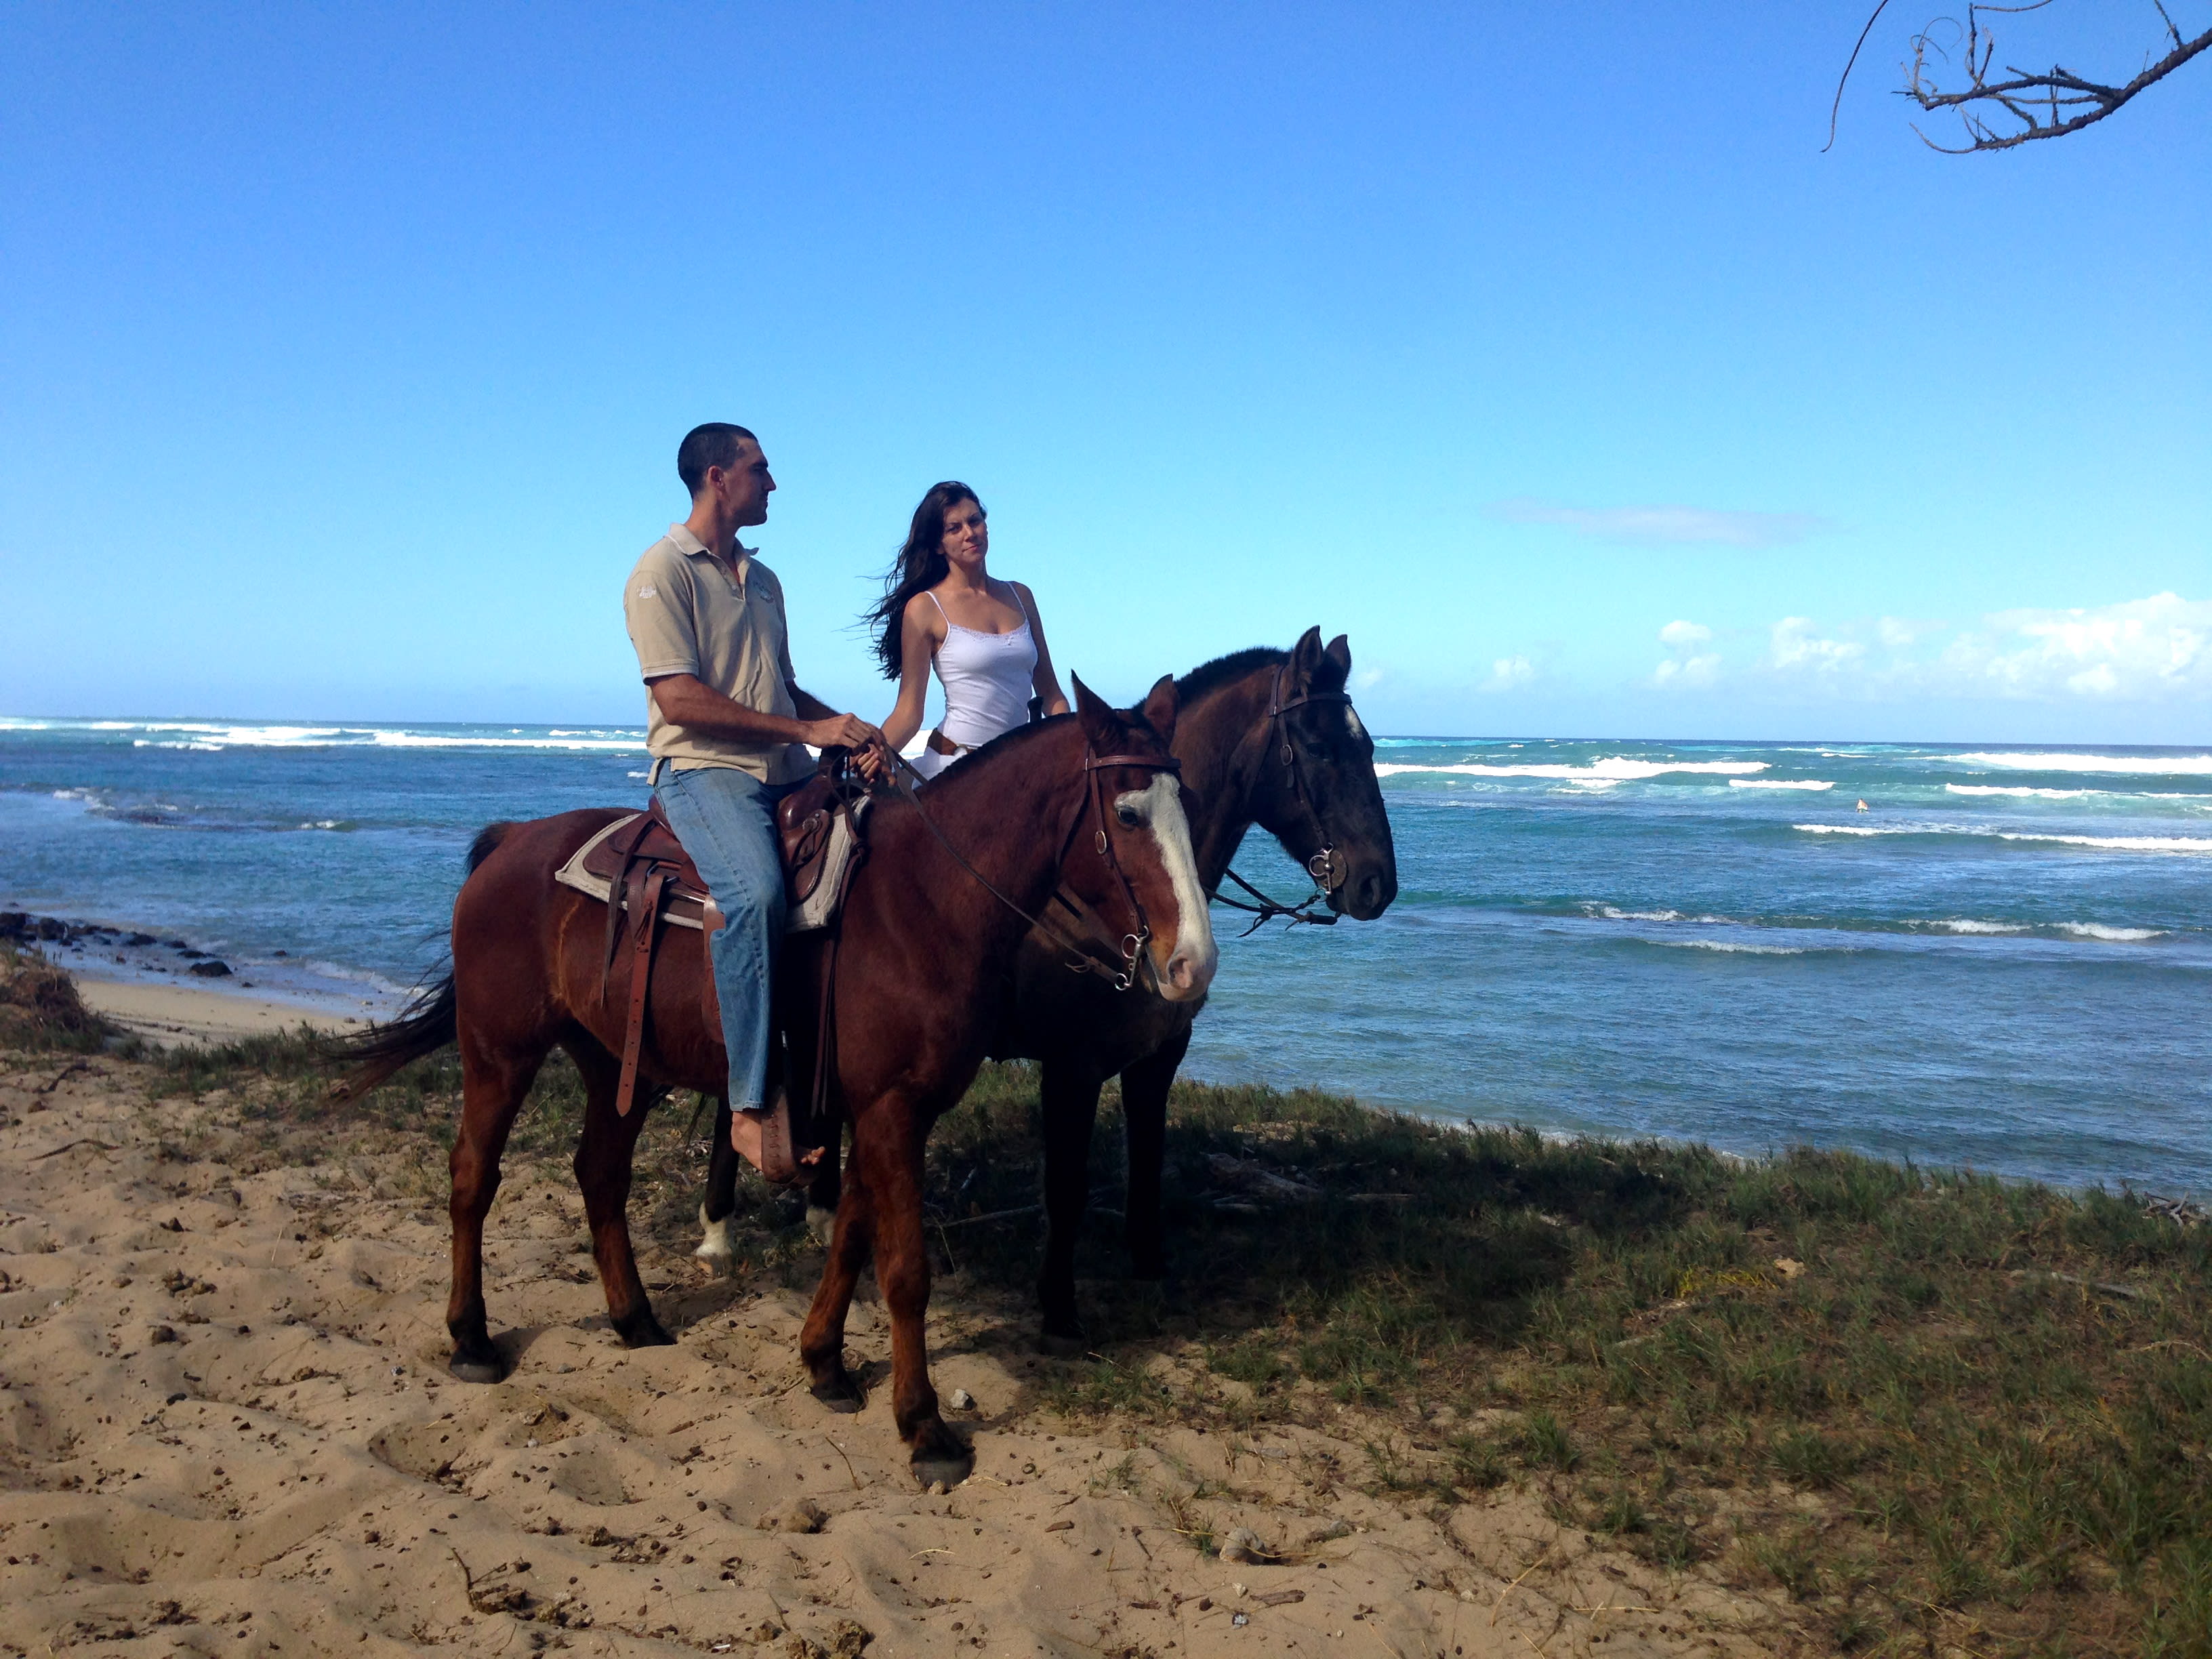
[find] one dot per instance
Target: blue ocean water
(2004, 962)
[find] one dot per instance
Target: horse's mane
(1210, 677)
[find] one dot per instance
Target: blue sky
(1537, 348)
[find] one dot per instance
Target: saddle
(639, 870)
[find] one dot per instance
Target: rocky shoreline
(126, 946)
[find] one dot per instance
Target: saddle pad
(817, 909)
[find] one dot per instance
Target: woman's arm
(918, 642)
(1044, 681)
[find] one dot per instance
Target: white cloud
(1795, 648)
(1508, 673)
(2144, 649)
(1691, 672)
(2151, 650)
(1688, 667)
(1655, 525)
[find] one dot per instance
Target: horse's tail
(427, 1024)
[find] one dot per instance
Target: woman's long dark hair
(920, 565)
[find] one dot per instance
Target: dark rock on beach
(209, 968)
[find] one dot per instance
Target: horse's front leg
(1069, 1110)
(822, 1342)
(1144, 1088)
(825, 1192)
(889, 1161)
(718, 1243)
(603, 1171)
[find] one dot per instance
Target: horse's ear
(1306, 657)
(1100, 723)
(1339, 652)
(1158, 708)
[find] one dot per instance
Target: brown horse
(1091, 801)
(1264, 736)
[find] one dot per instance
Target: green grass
(1938, 1425)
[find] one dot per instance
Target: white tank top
(987, 680)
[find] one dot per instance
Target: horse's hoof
(718, 1245)
(475, 1370)
(642, 1330)
(841, 1395)
(1064, 1342)
(941, 1464)
(822, 1223)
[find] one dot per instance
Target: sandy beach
(228, 1430)
(166, 1014)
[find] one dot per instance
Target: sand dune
(225, 1428)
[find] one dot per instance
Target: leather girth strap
(645, 923)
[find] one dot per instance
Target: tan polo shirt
(688, 614)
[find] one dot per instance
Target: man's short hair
(715, 444)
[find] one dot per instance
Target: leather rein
(1083, 958)
(1324, 869)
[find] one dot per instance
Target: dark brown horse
(1264, 736)
(1091, 801)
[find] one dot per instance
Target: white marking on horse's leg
(1190, 966)
(718, 1243)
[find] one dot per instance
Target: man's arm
(687, 700)
(869, 745)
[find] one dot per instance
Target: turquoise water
(2004, 962)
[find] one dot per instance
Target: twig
(840, 1450)
(82, 1140)
(1836, 106)
(68, 1071)
(994, 1215)
(1510, 1588)
(2172, 1342)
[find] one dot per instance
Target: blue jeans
(726, 819)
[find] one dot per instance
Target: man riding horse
(725, 720)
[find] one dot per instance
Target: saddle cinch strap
(638, 868)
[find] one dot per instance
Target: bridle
(1324, 868)
(1083, 958)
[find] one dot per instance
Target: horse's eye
(1128, 817)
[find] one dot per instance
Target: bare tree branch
(2033, 105)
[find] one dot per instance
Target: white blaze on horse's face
(1183, 957)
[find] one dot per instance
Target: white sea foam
(2023, 790)
(2115, 935)
(1968, 925)
(2135, 765)
(2198, 844)
(443, 740)
(1731, 949)
(2190, 844)
(1612, 769)
(1779, 783)
(221, 735)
